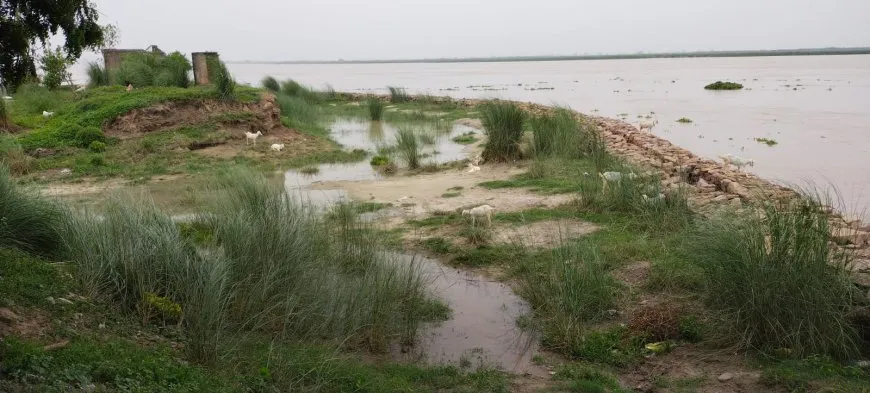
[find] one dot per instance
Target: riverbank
(612, 290)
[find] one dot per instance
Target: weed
(27, 221)
(776, 281)
(408, 147)
(766, 141)
(271, 84)
(719, 85)
(224, 83)
(438, 245)
(503, 122)
(376, 108)
(379, 160)
(398, 95)
(684, 120)
(477, 235)
(466, 138)
(691, 329)
(657, 322)
(97, 147)
(309, 170)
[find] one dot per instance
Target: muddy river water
(816, 107)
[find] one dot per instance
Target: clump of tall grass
(224, 83)
(558, 134)
(398, 95)
(376, 108)
(567, 287)
(408, 147)
(503, 123)
(34, 99)
(147, 69)
(97, 75)
(4, 114)
(27, 221)
(297, 108)
(271, 84)
(776, 280)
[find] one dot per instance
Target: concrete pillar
(204, 67)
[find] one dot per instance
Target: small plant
(398, 95)
(477, 235)
(97, 160)
(310, 170)
(271, 84)
(408, 147)
(719, 85)
(466, 138)
(438, 245)
(85, 136)
(656, 322)
(166, 309)
(376, 108)
(691, 329)
(379, 160)
(224, 83)
(503, 122)
(684, 120)
(766, 141)
(97, 147)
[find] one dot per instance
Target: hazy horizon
(312, 30)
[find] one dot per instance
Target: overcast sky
(390, 29)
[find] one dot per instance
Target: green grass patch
(503, 123)
(376, 109)
(466, 138)
(814, 374)
(767, 141)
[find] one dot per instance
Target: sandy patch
(546, 234)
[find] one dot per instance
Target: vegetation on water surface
(503, 124)
(719, 85)
(767, 141)
(408, 147)
(684, 120)
(466, 138)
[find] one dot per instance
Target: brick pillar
(203, 67)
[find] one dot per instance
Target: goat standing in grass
(250, 136)
(613, 177)
(480, 211)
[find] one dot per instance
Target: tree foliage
(24, 23)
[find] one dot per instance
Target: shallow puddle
(482, 330)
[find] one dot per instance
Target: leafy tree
(55, 64)
(25, 23)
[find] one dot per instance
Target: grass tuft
(376, 109)
(503, 122)
(398, 95)
(558, 134)
(408, 147)
(776, 281)
(97, 75)
(271, 84)
(28, 222)
(224, 83)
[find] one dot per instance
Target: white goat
(277, 147)
(250, 136)
(480, 211)
(647, 125)
(739, 162)
(47, 114)
(655, 199)
(472, 168)
(613, 177)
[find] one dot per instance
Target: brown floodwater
(816, 107)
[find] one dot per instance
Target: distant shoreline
(738, 53)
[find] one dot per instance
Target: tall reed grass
(558, 134)
(568, 287)
(398, 95)
(13, 156)
(34, 99)
(224, 83)
(297, 109)
(376, 109)
(503, 123)
(27, 221)
(408, 147)
(146, 69)
(271, 84)
(776, 280)
(97, 75)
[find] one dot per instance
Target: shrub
(719, 85)
(379, 160)
(97, 75)
(173, 70)
(376, 108)
(503, 123)
(147, 69)
(85, 136)
(54, 64)
(224, 83)
(97, 147)
(398, 95)
(28, 221)
(408, 147)
(292, 88)
(776, 280)
(271, 84)
(97, 160)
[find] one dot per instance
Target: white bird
(480, 211)
(47, 114)
(647, 125)
(738, 162)
(277, 147)
(250, 136)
